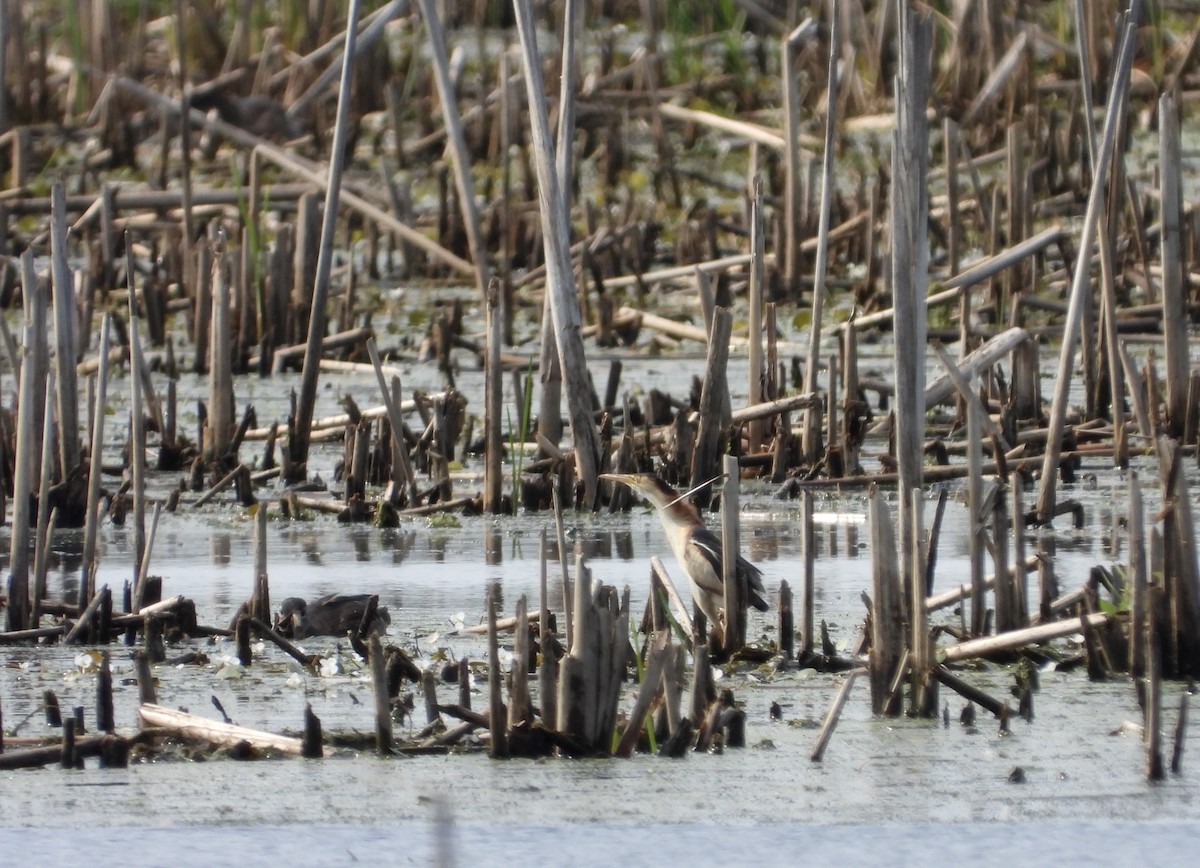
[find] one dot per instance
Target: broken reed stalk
(493, 397)
(547, 664)
(300, 436)
(260, 599)
(1181, 573)
(188, 221)
(520, 706)
(649, 690)
(65, 343)
(573, 684)
(137, 427)
(46, 515)
(561, 537)
(735, 595)
(560, 281)
(910, 267)
(87, 583)
(460, 156)
(1180, 735)
(17, 613)
(1153, 705)
(496, 715)
(786, 622)
(1018, 582)
(924, 687)
(383, 703)
(549, 417)
(811, 444)
(714, 396)
(393, 408)
(809, 541)
(143, 564)
(755, 393)
(887, 637)
(1138, 577)
(1174, 300)
(789, 81)
(219, 434)
(1081, 282)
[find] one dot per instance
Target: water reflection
(493, 548)
(398, 542)
(362, 547)
(219, 547)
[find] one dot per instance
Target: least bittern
(698, 550)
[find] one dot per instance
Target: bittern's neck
(681, 513)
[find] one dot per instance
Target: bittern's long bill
(698, 550)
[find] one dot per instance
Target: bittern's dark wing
(708, 546)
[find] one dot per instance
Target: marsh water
(888, 791)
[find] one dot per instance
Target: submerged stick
(831, 716)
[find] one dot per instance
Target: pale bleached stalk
(301, 434)
(1081, 283)
(559, 276)
(812, 418)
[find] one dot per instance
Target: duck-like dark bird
(331, 615)
(697, 549)
(259, 115)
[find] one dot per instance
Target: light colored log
(193, 728)
(975, 363)
(1017, 638)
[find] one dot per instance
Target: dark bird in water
(332, 615)
(697, 549)
(258, 115)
